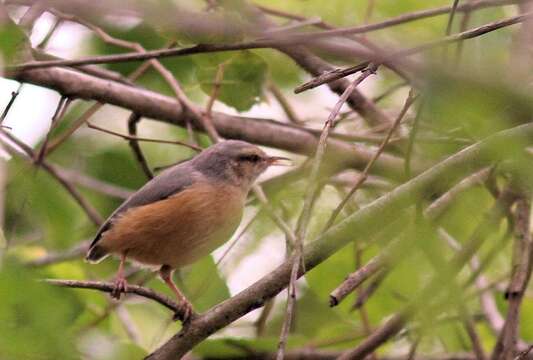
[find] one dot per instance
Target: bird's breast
(180, 229)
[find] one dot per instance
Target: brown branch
(361, 224)
(380, 58)
(506, 346)
(109, 287)
(156, 106)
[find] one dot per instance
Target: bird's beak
(279, 160)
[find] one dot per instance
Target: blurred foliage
(244, 74)
(13, 41)
(461, 107)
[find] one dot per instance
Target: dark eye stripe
(252, 158)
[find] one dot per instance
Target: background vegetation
(435, 140)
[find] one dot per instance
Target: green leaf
(242, 83)
(204, 286)
(12, 38)
(35, 318)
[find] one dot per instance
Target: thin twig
(61, 109)
(381, 58)
(412, 136)
(14, 95)
(109, 287)
(284, 103)
(216, 89)
(133, 120)
(129, 137)
(364, 175)
(451, 17)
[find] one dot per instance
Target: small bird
(182, 214)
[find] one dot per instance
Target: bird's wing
(168, 183)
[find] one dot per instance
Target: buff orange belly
(178, 230)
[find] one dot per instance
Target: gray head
(235, 161)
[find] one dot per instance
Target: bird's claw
(121, 286)
(184, 312)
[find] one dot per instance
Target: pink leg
(185, 311)
(121, 285)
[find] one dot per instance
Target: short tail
(96, 254)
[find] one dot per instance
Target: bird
(183, 214)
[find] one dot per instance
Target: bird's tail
(96, 254)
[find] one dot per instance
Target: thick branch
(153, 105)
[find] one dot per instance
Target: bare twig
(284, 103)
(469, 34)
(129, 137)
(216, 89)
(451, 17)
(133, 120)
(61, 109)
(14, 95)
(109, 286)
(364, 175)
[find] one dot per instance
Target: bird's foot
(121, 286)
(184, 312)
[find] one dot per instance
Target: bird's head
(236, 161)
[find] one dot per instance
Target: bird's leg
(121, 285)
(185, 311)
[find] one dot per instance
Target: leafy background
(41, 218)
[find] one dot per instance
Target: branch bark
(153, 105)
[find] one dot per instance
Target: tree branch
(109, 287)
(259, 131)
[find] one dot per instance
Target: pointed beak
(279, 160)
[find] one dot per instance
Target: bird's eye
(251, 158)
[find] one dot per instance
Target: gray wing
(166, 184)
